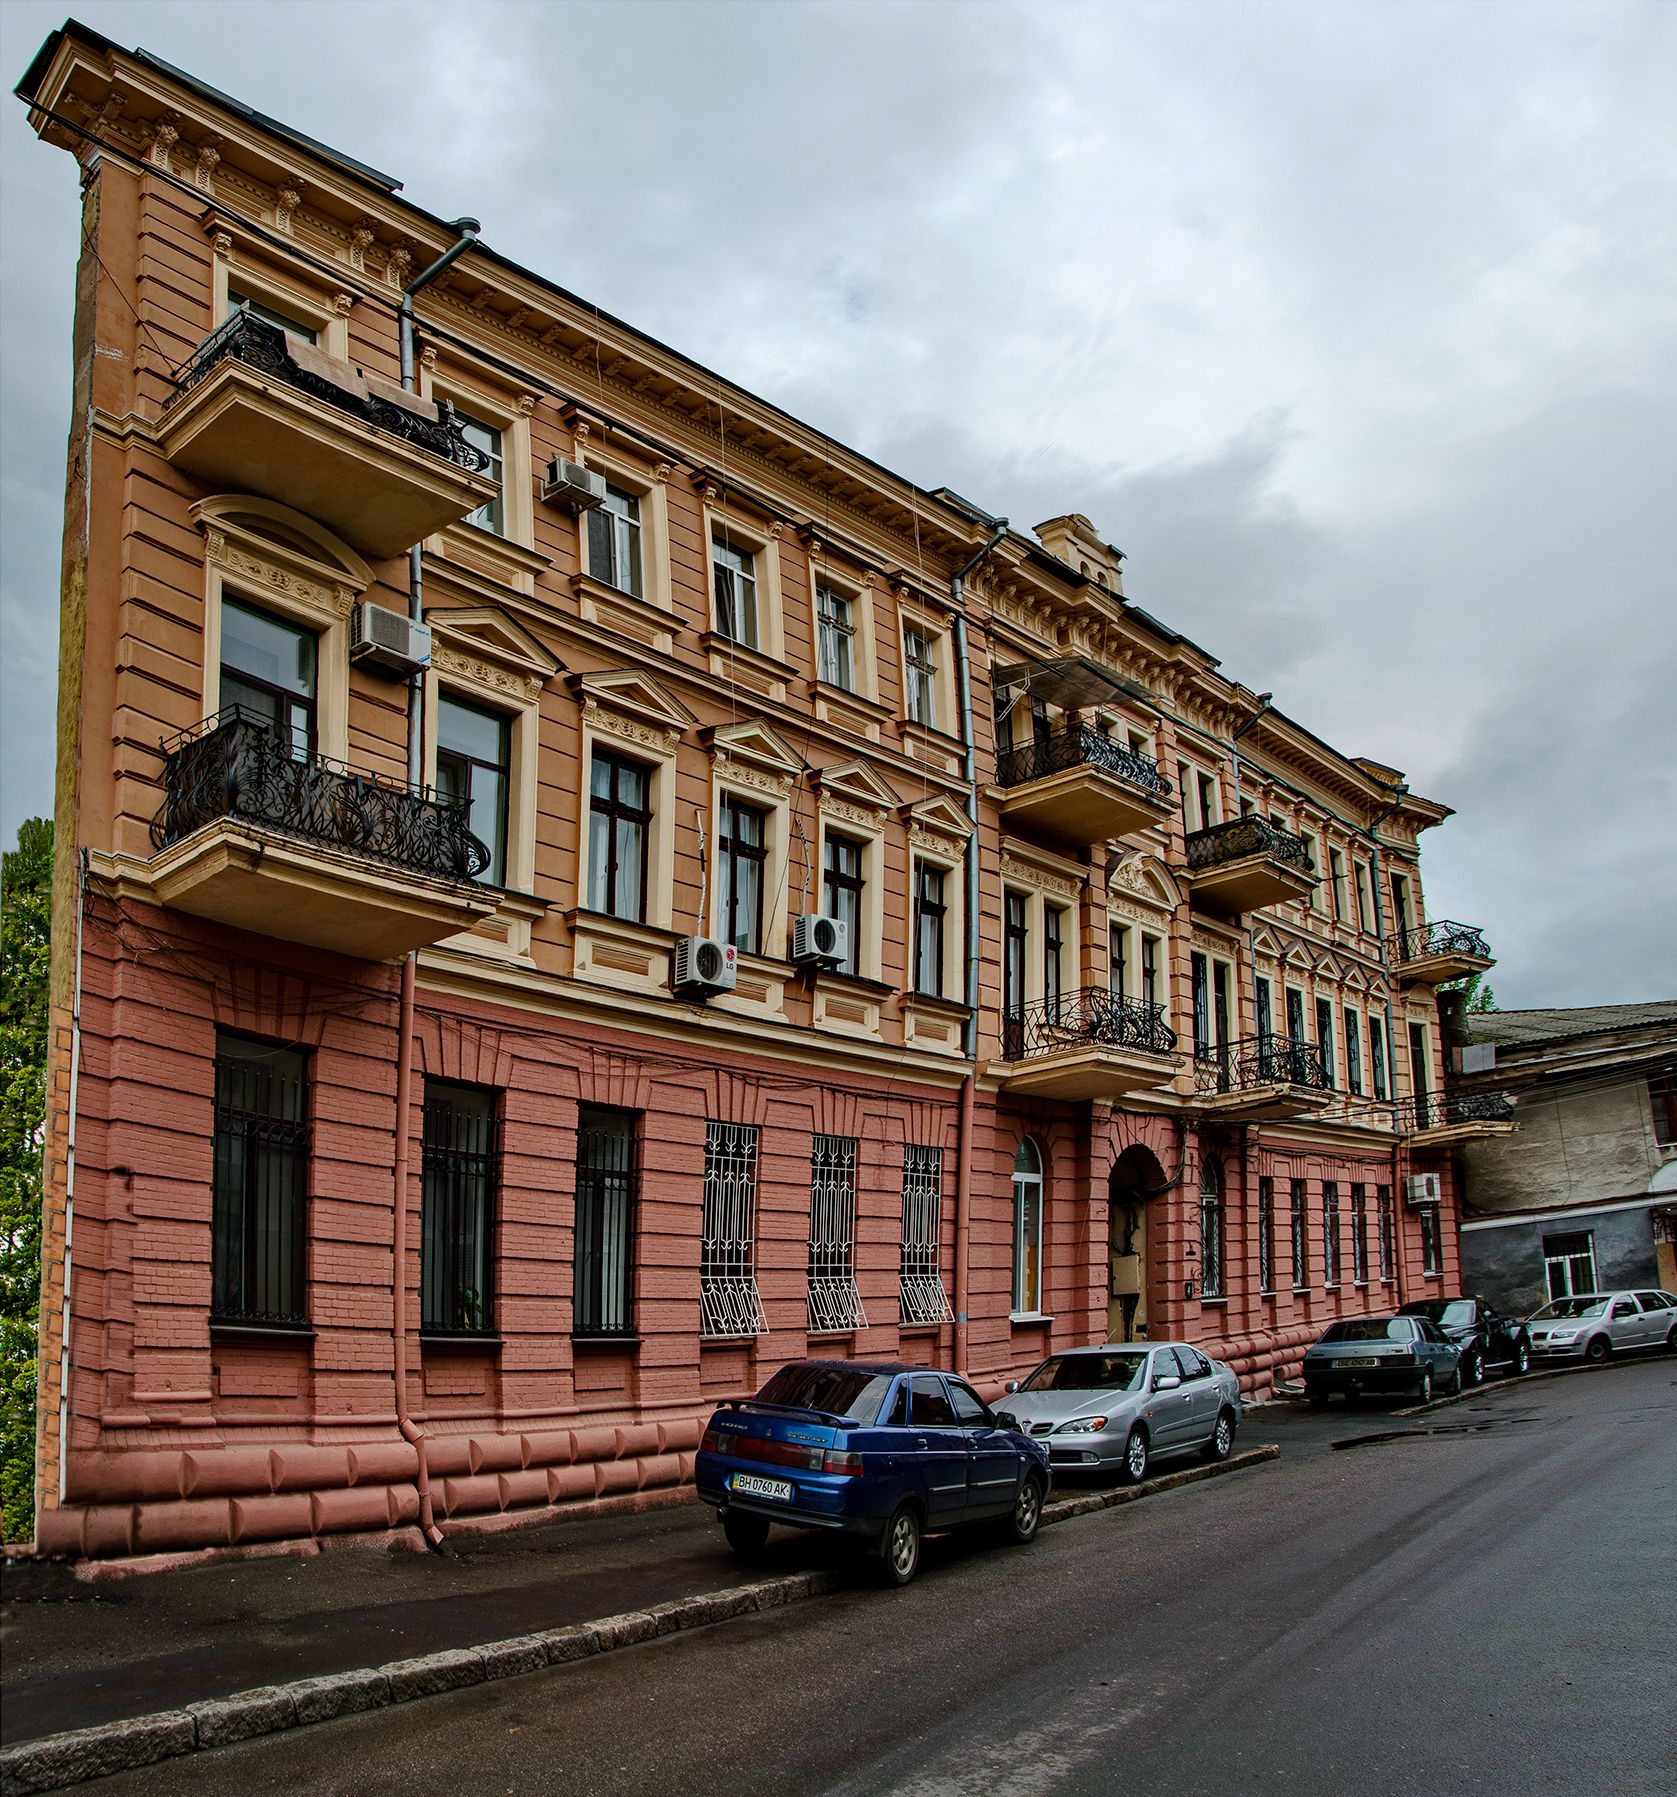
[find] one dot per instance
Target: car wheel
(1457, 1380)
(1318, 1398)
(1522, 1356)
(1473, 1368)
(1022, 1525)
(899, 1546)
(1135, 1456)
(1598, 1350)
(1221, 1442)
(747, 1534)
(1423, 1386)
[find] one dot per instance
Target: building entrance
(1136, 1179)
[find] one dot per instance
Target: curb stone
(56, 1761)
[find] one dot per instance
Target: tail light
(712, 1443)
(848, 1466)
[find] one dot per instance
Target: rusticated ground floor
(602, 1229)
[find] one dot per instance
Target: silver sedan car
(1126, 1404)
(1593, 1325)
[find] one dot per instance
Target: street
(1484, 1606)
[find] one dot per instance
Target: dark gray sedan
(1385, 1353)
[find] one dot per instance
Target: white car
(1593, 1325)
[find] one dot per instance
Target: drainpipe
(969, 932)
(411, 1431)
(1376, 877)
(1265, 701)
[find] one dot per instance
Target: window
(1301, 1236)
(929, 914)
(1400, 905)
(473, 769)
(1365, 906)
(729, 1304)
(1266, 1235)
(1053, 948)
(1014, 939)
(457, 1204)
(1377, 1055)
(841, 894)
(1359, 1233)
(1211, 1227)
(271, 315)
(1118, 957)
(1353, 1052)
(1313, 848)
(603, 1288)
(1202, 1004)
(929, 1406)
(1419, 1083)
(1662, 1104)
(1336, 883)
(1150, 946)
(492, 514)
(1324, 1037)
(259, 1192)
(1569, 1263)
(1264, 1006)
(970, 1411)
(919, 676)
(1207, 793)
(742, 852)
(920, 1285)
(834, 1304)
(734, 574)
(1330, 1232)
(268, 668)
(614, 542)
(1432, 1248)
(1388, 1234)
(1027, 1230)
(1295, 1015)
(619, 815)
(835, 631)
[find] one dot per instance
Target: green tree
(25, 936)
(1478, 996)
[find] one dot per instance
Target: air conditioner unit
(816, 938)
(1426, 1188)
(701, 965)
(388, 640)
(571, 485)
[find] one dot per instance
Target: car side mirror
(1166, 1382)
(1011, 1387)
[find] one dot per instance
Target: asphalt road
(1483, 1606)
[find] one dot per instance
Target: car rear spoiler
(825, 1416)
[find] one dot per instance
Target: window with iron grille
(1568, 1261)
(457, 1211)
(1211, 1227)
(1432, 1241)
(1301, 1236)
(1330, 1231)
(835, 647)
(1388, 1233)
(1359, 1234)
(834, 1303)
(1266, 1235)
(729, 1303)
(604, 1255)
(259, 1201)
(923, 1297)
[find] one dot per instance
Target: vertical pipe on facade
(1375, 879)
(969, 933)
(71, 1102)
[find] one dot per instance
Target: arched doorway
(1136, 1179)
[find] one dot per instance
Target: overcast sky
(1355, 326)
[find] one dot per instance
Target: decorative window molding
(647, 617)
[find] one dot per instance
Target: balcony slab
(1084, 1070)
(1264, 1104)
(1449, 1135)
(1083, 805)
(1248, 883)
(1435, 969)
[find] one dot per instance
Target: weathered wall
(1573, 1146)
(1505, 1263)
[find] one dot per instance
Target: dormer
(1075, 541)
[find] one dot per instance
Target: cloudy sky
(1353, 324)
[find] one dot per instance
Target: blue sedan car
(880, 1452)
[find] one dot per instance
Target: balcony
(1442, 1120)
(1083, 786)
(1087, 1044)
(295, 847)
(1261, 1079)
(259, 410)
(1247, 863)
(1439, 952)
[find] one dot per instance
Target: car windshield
(1570, 1307)
(1368, 1329)
(838, 1390)
(1088, 1372)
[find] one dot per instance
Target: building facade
(576, 889)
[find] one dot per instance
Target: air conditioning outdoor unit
(1426, 1188)
(388, 640)
(703, 966)
(571, 485)
(816, 938)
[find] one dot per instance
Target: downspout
(1265, 701)
(1377, 881)
(411, 1431)
(969, 934)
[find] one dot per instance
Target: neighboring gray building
(1583, 1195)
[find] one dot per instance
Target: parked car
(879, 1452)
(1593, 1325)
(1383, 1353)
(1485, 1339)
(1125, 1405)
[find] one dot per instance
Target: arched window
(1027, 1229)
(1211, 1227)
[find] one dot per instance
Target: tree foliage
(25, 935)
(1477, 995)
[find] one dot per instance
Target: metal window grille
(834, 1302)
(1432, 1247)
(603, 1295)
(457, 1212)
(1388, 1232)
(729, 1303)
(260, 1192)
(1266, 1235)
(1301, 1236)
(1211, 1229)
(1359, 1234)
(923, 1297)
(1330, 1231)
(1568, 1261)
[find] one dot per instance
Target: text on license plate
(1359, 1363)
(754, 1485)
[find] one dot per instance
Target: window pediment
(939, 818)
(628, 693)
(757, 745)
(1147, 878)
(857, 783)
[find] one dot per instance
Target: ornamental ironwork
(426, 424)
(237, 765)
(922, 1297)
(1439, 1110)
(1092, 1017)
(1243, 836)
(729, 1302)
(834, 1304)
(1080, 745)
(1440, 939)
(1259, 1061)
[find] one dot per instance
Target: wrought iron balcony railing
(245, 338)
(237, 765)
(1439, 1110)
(1080, 746)
(1242, 836)
(1439, 939)
(1089, 1018)
(1259, 1061)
